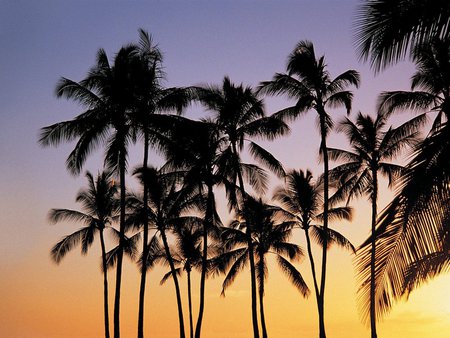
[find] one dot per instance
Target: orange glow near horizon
(46, 300)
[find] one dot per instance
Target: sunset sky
(202, 41)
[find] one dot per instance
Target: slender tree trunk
(261, 300)
(311, 261)
(251, 260)
(323, 146)
(373, 327)
(206, 224)
(105, 284)
(191, 324)
(175, 281)
(144, 244)
(121, 245)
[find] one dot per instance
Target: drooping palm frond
(294, 275)
(332, 238)
(236, 267)
(385, 30)
(66, 244)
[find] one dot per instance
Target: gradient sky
(202, 41)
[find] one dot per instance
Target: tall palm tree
(308, 82)
(100, 205)
(372, 148)
(239, 114)
(414, 226)
(164, 211)
(386, 29)
(269, 235)
(196, 150)
(302, 200)
(152, 99)
(106, 95)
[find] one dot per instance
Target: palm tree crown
(100, 205)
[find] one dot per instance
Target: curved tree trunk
(373, 327)
(206, 224)
(323, 147)
(311, 261)
(251, 262)
(261, 300)
(105, 284)
(191, 324)
(121, 244)
(175, 281)
(144, 245)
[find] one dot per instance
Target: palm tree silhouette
(239, 115)
(386, 29)
(187, 254)
(309, 83)
(302, 201)
(106, 94)
(414, 226)
(268, 235)
(166, 205)
(151, 101)
(100, 205)
(371, 149)
(196, 150)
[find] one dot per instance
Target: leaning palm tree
(106, 95)
(100, 205)
(387, 29)
(269, 235)
(308, 82)
(414, 226)
(372, 148)
(302, 199)
(239, 115)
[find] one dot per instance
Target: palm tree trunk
(191, 324)
(311, 261)
(253, 286)
(206, 224)
(144, 245)
(373, 327)
(121, 244)
(105, 284)
(251, 261)
(323, 147)
(261, 300)
(175, 281)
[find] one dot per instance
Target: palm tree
(100, 205)
(196, 150)
(386, 29)
(106, 94)
(302, 201)
(187, 254)
(268, 236)
(239, 114)
(371, 150)
(167, 203)
(152, 99)
(414, 226)
(308, 82)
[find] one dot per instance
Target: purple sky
(201, 40)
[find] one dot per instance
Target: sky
(202, 41)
